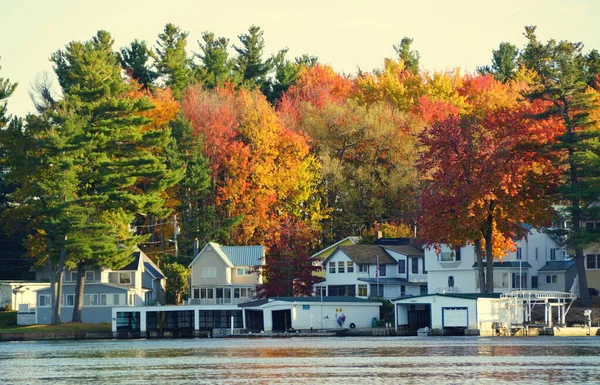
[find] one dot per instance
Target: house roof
(409, 251)
(508, 264)
(352, 239)
(473, 296)
(333, 299)
(557, 265)
(244, 255)
(140, 258)
(235, 255)
(367, 254)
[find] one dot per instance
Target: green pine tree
(249, 63)
(563, 76)
(134, 60)
(410, 58)
(215, 63)
(504, 63)
(171, 58)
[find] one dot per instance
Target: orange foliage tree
(485, 172)
(260, 170)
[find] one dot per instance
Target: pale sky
(347, 35)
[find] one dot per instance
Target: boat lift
(528, 299)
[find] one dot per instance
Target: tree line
(157, 147)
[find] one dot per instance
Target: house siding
(210, 258)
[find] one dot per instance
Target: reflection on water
(434, 360)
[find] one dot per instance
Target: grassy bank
(8, 324)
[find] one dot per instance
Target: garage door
(456, 317)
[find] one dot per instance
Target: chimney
(195, 247)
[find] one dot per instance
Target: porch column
(143, 320)
(196, 319)
(243, 318)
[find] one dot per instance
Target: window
(206, 293)
(362, 290)
(332, 267)
(376, 290)
(534, 282)
(90, 276)
(320, 291)
(69, 300)
(243, 271)
(243, 292)
(415, 265)
(402, 291)
(401, 266)
(44, 300)
(341, 268)
(519, 253)
(382, 270)
(236, 293)
(457, 254)
(551, 279)
(90, 300)
(125, 278)
(363, 268)
(342, 290)
(209, 272)
(423, 290)
(519, 281)
(592, 261)
(553, 254)
(117, 299)
(196, 293)
(451, 281)
(537, 253)
(350, 267)
(305, 307)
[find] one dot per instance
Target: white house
(455, 271)
(225, 274)
(388, 271)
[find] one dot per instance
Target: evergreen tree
(171, 58)
(504, 63)
(215, 63)
(6, 89)
(134, 60)
(410, 58)
(563, 75)
(119, 153)
(286, 73)
(249, 64)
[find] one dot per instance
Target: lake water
(350, 360)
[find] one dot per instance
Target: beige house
(223, 275)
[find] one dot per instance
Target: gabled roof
(409, 251)
(141, 259)
(352, 239)
(235, 255)
(365, 254)
(557, 265)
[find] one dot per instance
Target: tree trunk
(79, 289)
(584, 294)
(489, 255)
(57, 283)
(480, 272)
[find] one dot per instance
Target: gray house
(557, 275)
(140, 283)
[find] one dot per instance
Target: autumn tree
(260, 170)
(562, 81)
(289, 270)
(486, 173)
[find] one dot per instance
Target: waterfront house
(387, 271)
(455, 270)
(318, 257)
(225, 275)
(140, 283)
(592, 258)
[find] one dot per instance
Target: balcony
(218, 301)
(417, 277)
